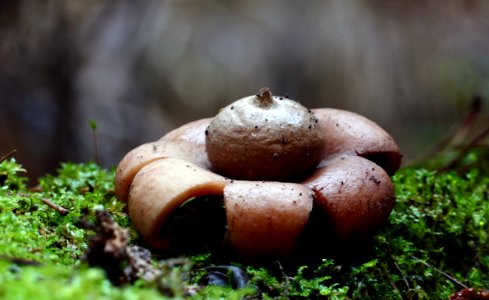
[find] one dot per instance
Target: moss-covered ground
(435, 243)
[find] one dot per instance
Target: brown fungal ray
(148, 153)
(265, 218)
(350, 133)
(354, 192)
(193, 132)
(264, 137)
(160, 188)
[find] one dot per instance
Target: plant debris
(61, 210)
(7, 156)
(109, 250)
(471, 294)
(227, 275)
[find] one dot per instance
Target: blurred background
(138, 69)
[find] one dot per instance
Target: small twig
(466, 149)
(393, 284)
(441, 272)
(459, 131)
(286, 280)
(62, 211)
(386, 273)
(8, 155)
(20, 261)
(37, 189)
(93, 126)
(389, 250)
(403, 276)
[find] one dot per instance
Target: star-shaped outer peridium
(351, 186)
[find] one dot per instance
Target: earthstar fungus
(271, 161)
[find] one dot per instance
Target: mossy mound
(434, 244)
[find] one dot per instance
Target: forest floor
(69, 238)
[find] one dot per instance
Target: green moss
(32, 230)
(434, 243)
(52, 282)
